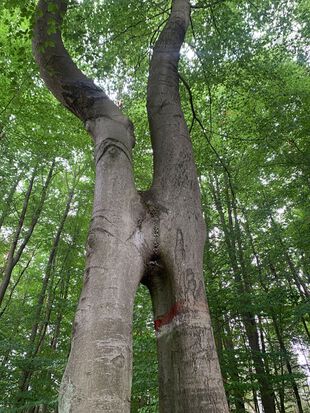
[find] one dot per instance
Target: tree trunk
(232, 234)
(282, 392)
(189, 373)
(62, 294)
(299, 282)
(9, 200)
(217, 319)
(237, 391)
(254, 391)
(156, 236)
(19, 277)
(9, 265)
(34, 346)
(288, 363)
(15, 253)
(98, 373)
(65, 277)
(277, 329)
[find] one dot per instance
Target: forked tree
(155, 237)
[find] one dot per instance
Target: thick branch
(169, 133)
(61, 75)
(164, 64)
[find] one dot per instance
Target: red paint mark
(179, 308)
(169, 316)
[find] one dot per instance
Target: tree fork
(157, 237)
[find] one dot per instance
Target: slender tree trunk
(33, 346)
(219, 338)
(232, 233)
(15, 253)
(238, 393)
(9, 200)
(20, 275)
(288, 364)
(299, 282)
(250, 369)
(63, 291)
(304, 323)
(281, 392)
(65, 276)
(261, 366)
(8, 268)
(277, 330)
(265, 390)
(217, 319)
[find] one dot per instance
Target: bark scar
(154, 209)
(107, 144)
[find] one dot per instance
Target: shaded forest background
(246, 92)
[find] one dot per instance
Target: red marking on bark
(179, 308)
(169, 316)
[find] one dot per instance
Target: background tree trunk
(15, 250)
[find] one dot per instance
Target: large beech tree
(155, 237)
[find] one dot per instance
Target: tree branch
(64, 79)
(170, 138)
(203, 5)
(163, 78)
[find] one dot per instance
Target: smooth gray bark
(189, 373)
(156, 237)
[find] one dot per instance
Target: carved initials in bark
(156, 237)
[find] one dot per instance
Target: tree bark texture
(189, 374)
(155, 237)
